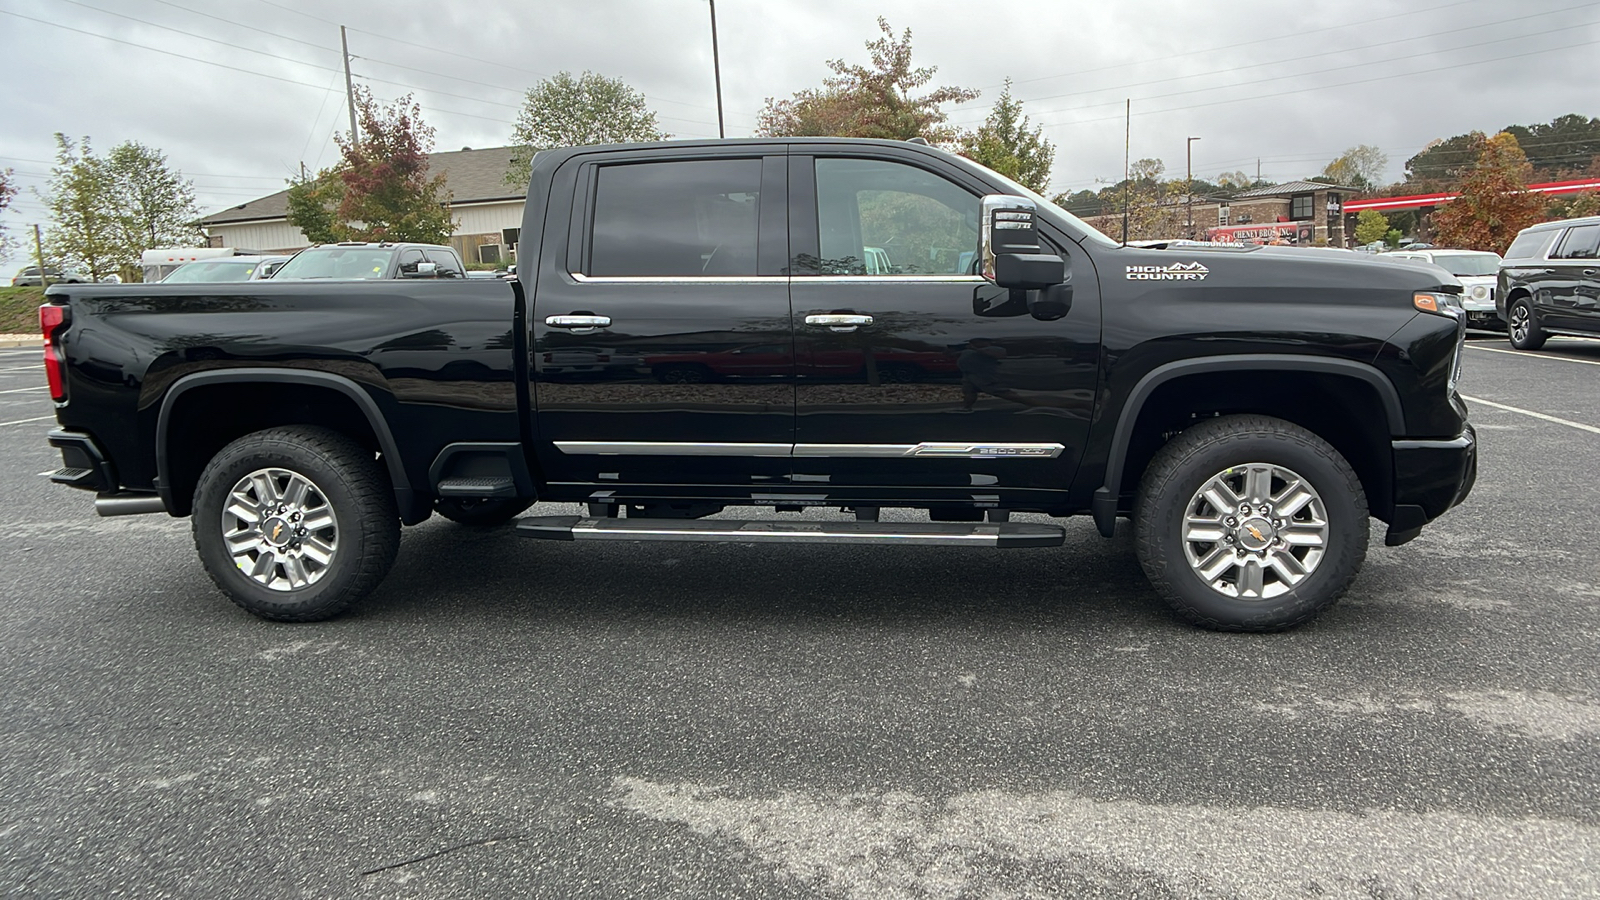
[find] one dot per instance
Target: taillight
(51, 320)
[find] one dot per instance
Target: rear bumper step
(933, 534)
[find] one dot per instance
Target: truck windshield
(206, 271)
(341, 263)
(1469, 263)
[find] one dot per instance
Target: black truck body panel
(716, 389)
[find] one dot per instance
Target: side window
(1531, 244)
(449, 265)
(887, 218)
(688, 218)
(408, 262)
(1580, 243)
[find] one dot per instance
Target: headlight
(1482, 292)
(1438, 304)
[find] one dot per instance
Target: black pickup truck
(846, 324)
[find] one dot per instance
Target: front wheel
(295, 524)
(1249, 523)
(1523, 328)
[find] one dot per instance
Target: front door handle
(588, 322)
(1589, 273)
(838, 321)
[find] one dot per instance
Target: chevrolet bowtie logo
(1254, 532)
(278, 529)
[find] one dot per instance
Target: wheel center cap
(277, 531)
(1255, 534)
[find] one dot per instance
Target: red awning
(1416, 201)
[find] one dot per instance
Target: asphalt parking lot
(515, 718)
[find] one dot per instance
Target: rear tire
(1250, 523)
(484, 513)
(294, 524)
(1522, 328)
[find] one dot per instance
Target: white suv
(1477, 271)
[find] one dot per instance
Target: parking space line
(26, 421)
(25, 390)
(25, 368)
(1537, 415)
(1586, 362)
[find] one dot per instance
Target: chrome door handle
(578, 321)
(839, 321)
(1588, 273)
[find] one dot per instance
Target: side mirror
(426, 270)
(1010, 246)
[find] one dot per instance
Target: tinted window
(449, 265)
(884, 218)
(1531, 244)
(690, 218)
(1580, 243)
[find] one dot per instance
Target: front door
(902, 382)
(662, 350)
(1575, 283)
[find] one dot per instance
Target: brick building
(1299, 212)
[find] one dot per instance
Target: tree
(312, 201)
(8, 190)
(1371, 225)
(1234, 181)
(1005, 144)
(1360, 167)
(380, 189)
(869, 102)
(84, 232)
(1494, 203)
(155, 204)
(562, 111)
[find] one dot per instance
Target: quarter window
(1580, 243)
(885, 218)
(689, 218)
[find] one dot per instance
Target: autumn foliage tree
(876, 101)
(1494, 203)
(380, 190)
(8, 190)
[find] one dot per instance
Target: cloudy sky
(238, 93)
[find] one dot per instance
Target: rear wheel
(1523, 328)
(1248, 523)
(295, 524)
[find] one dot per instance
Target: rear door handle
(1589, 273)
(578, 321)
(838, 321)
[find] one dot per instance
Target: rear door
(925, 393)
(662, 350)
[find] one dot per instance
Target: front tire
(1249, 523)
(1522, 328)
(294, 524)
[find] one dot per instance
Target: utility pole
(1188, 182)
(716, 69)
(38, 253)
(1127, 149)
(349, 86)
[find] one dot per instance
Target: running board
(930, 534)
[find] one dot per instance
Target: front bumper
(1430, 477)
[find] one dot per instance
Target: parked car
(1549, 282)
(1477, 271)
(358, 261)
(231, 268)
(28, 276)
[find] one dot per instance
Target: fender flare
(1104, 504)
(404, 495)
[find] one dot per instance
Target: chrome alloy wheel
(1255, 531)
(280, 529)
(1520, 320)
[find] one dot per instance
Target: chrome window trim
(889, 279)
(678, 279)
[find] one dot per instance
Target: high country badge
(1178, 271)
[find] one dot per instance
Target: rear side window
(689, 218)
(1580, 243)
(1531, 244)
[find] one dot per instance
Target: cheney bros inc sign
(1264, 233)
